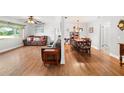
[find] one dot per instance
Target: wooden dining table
(79, 40)
(82, 44)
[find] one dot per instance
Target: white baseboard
(115, 56)
(95, 47)
(4, 50)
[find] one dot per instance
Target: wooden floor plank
(26, 61)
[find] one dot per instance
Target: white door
(104, 37)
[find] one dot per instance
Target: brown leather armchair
(52, 55)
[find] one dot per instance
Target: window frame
(37, 30)
(13, 26)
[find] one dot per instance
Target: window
(40, 28)
(10, 29)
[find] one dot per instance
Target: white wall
(95, 36)
(51, 28)
(10, 43)
(68, 27)
(115, 34)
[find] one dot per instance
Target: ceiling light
(77, 27)
(32, 20)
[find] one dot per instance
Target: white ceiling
(44, 19)
(82, 19)
(70, 19)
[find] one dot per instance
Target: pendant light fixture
(32, 20)
(77, 27)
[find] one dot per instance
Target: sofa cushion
(29, 39)
(57, 44)
(36, 39)
(42, 39)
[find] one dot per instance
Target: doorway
(104, 37)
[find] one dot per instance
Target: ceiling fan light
(29, 21)
(32, 22)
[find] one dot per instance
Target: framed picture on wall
(91, 29)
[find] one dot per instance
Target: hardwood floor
(26, 61)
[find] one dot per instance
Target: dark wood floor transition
(26, 61)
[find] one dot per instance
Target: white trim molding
(95, 47)
(115, 56)
(4, 50)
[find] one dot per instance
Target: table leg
(120, 60)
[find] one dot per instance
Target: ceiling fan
(32, 20)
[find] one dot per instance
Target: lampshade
(121, 25)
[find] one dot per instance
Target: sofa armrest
(25, 42)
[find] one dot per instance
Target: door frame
(103, 44)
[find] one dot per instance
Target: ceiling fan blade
(39, 21)
(32, 18)
(25, 21)
(35, 22)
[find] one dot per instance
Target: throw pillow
(42, 39)
(29, 39)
